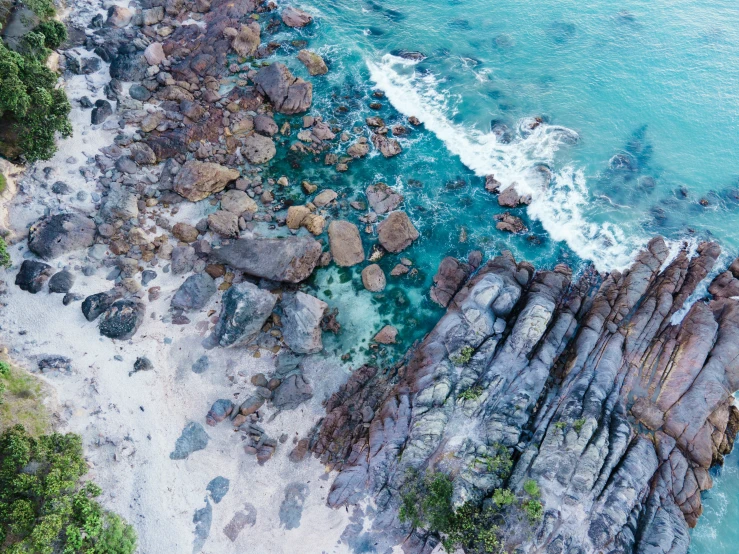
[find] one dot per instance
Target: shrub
(464, 357)
(42, 8)
(3, 183)
(43, 506)
(5, 260)
(534, 510)
(29, 100)
(54, 33)
(560, 425)
(532, 488)
(500, 463)
(578, 424)
(472, 393)
(503, 497)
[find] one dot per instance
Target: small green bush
(578, 424)
(5, 260)
(560, 425)
(42, 8)
(4, 369)
(44, 509)
(464, 357)
(532, 488)
(534, 510)
(54, 33)
(499, 463)
(3, 183)
(472, 393)
(503, 497)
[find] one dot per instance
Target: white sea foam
(560, 206)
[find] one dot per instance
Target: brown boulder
(198, 180)
(396, 232)
(296, 18)
(314, 62)
(373, 278)
(287, 93)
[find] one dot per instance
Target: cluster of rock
(607, 395)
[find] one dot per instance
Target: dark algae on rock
(612, 395)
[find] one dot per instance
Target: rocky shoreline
(179, 256)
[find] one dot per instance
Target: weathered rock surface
(244, 310)
(383, 199)
(448, 280)
(122, 319)
(33, 275)
(259, 149)
(287, 93)
(301, 322)
(198, 180)
(345, 242)
(195, 292)
(388, 147)
(50, 237)
(313, 62)
(373, 278)
(295, 17)
(396, 232)
(616, 412)
(290, 259)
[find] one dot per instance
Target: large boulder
(345, 242)
(290, 259)
(373, 278)
(287, 93)
(52, 236)
(122, 319)
(238, 202)
(396, 232)
(388, 147)
(198, 180)
(259, 149)
(509, 223)
(301, 322)
(96, 304)
(129, 66)
(195, 292)
(244, 310)
(448, 280)
(295, 17)
(33, 275)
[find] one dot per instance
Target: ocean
(621, 120)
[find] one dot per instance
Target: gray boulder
(290, 259)
(259, 149)
(382, 199)
(345, 242)
(195, 292)
(61, 282)
(50, 237)
(295, 17)
(287, 93)
(245, 308)
(192, 439)
(301, 322)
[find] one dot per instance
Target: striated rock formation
(616, 412)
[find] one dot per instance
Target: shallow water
(639, 102)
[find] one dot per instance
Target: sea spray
(558, 204)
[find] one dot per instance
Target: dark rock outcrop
(290, 259)
(33, 275)
(52, 236)
(245, 308)
(122, 319)
(612, 401)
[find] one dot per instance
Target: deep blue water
(640, 103)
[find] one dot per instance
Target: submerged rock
(53, 236)
(290, 259)
(301, 322)
(245, 308)
(510, 223)
(314, 62)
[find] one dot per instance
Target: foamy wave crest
(559, 199)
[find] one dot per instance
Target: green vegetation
(44, 508)
(578, 424)
(3, 183)
(499, 463)
(426, 503)
(472, 393)
(32, 109)
(4, 256)
(464, 357)
(560, 425)
(21, 394)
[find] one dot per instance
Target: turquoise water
(639, 103)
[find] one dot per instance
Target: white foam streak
(560, 206)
